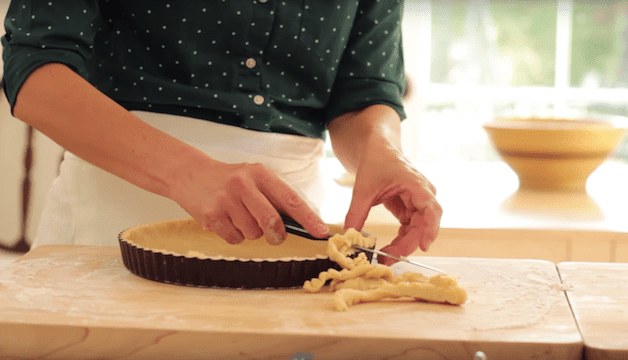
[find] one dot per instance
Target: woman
(218, 109)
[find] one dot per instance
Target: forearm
(237, 201)
(350, 133)
(62, 105)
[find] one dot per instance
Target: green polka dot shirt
(287, 66)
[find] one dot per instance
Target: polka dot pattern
(271, 65)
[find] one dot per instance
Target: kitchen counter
(598, 294)
(71, 302)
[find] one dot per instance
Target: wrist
(186, 166)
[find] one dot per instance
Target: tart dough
(359, 281)
(181, 252)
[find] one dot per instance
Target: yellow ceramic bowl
(555, 154)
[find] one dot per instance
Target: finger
(274, 231)
(432, 188)
(266, 217)
(245, 222)
(249, 201)
(402, 202)
(429, 185)
(423, 214)
(431, 220)
(224, 228)
(358, 210)
(421, 198)
(292, 204)
(417, 199)
(398, 209)
(385, 260)
(287, 200)
(404, 244)
(420, 233)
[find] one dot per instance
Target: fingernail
(236, 240)
(274, 238)
(322, 229)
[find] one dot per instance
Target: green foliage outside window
(599, 42)
(526, 33)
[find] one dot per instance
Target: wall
(12, 145)
(13, 139)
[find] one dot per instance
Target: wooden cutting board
(68, 302)
(598, 293)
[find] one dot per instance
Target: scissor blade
(403, 258)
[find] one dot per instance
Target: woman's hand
(241, 201)
(368, 143)
(386, 177)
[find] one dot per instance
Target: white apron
(89, 206)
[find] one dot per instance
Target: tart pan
(181, 252)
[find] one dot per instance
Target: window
(469, 61)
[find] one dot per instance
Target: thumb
(389, 249)
(357, 213)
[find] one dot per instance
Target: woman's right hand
(242, 201)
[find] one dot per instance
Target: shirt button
(262, 1)
(250, 63)
(258, 99)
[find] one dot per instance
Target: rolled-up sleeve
(372, 69)
(40, 32)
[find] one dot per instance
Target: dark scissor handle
(295, 228)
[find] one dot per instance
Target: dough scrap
(339, 246)
(360, 281)
(440, 288)
(363, 271)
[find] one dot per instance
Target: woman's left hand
(368, 143)
(386, 177)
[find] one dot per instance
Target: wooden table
(68, 302)
(598, 294)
